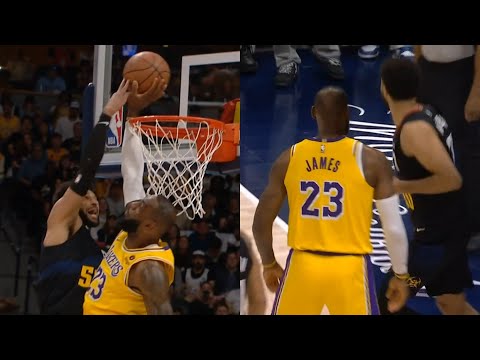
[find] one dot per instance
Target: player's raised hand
(137, 102)
(397, 294)
(118, 99)
(273, 276)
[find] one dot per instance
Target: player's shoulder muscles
(150, 278)
(378, 172)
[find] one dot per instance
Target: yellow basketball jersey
(109, 292)
(330, 202)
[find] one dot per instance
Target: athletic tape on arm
(132, 166)
(395, 234)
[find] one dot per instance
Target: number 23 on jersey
(98, 284)
(313, 190)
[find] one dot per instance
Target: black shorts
(438, 258)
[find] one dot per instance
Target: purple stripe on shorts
(371, 287)
(282, 282)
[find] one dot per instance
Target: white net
(177, 154)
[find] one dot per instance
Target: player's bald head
(330, 109)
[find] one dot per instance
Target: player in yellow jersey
(136, 273)
(330, 182)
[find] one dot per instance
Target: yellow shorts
(315, 284)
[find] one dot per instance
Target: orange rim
(146, 120)
(231, 132)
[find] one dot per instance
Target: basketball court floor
(273, 119)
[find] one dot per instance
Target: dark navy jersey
(66, 271)
(439, 210)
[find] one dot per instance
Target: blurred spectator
(4, 78)
(194, 276)
(103, 213)
(221, 308)
(43, 134)
(224, 232)
(12, 161)
(182, 253)
(65, 124)
(84, 75)
(232, 300)
(204, 301)
(27, 124)
(24, 144)
(61, 108)
(219, 189)
(102, 187)
(23, 138)
(52, 82)
(227, 276)
(201, 238)
(9, 123)
(33, 167)
(236, 184)
(233, 213)
(209, 203)
(74, 144)
(56, 152)
(29, 107)
(21, 70)
(29, 204)
(214, 252)
(7, 98)
(66, 169)
(115, 199)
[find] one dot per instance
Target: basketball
(144, 67)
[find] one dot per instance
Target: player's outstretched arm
(132, 152)
(378, 173)
(65, 210)
(267, 210)
(150, 279)
(419, 139)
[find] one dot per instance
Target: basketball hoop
(177, 151)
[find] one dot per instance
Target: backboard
(200, 85)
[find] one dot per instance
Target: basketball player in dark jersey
(430, 183)
(69, 256)
(252, 289)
